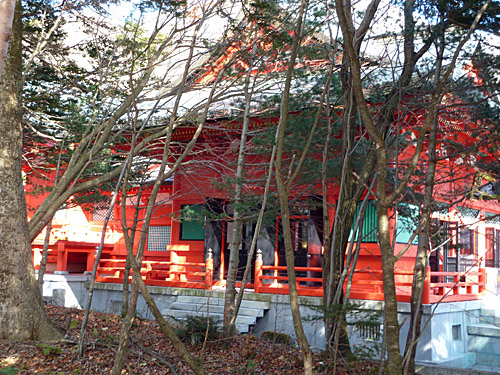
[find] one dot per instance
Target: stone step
(217, 309)
(183, 313)
(487, 330)
(490, 315)
(485, 311)
(484, 341)
(243, 323)
(220, 302)
(494, 320)
(490, 311)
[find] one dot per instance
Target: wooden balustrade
(458, 286)
(367, 283)
(161, 273)
(308, 285)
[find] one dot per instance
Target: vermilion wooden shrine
(189, 236)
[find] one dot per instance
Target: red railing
(457, 285)
(161, 273)
(367, 283)
(275, 279)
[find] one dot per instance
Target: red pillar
(482, 280)
(258, 271)
(456, 288)
(174, 266)
(209, 269)
(426, 292)
(62, 258)
(91, 259)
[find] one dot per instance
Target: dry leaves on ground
(150, 352)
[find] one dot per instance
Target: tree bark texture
(391, 323)
(7, 8)
(22, 315)
(283, 192)
(344, 216)
(230, 295)
(230, 308)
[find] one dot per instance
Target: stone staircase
(248, 314)
(490, 316)
(484, 339)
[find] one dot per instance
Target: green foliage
(171, 6)
(461, 13)
(298, 130)
(194, 329)
(49, 349)
(48, 93)
(249, 368)
(60, 97)
(7, 369)
(364, 352)
(194, 213)
(364, 327)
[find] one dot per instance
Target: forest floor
(151, 353)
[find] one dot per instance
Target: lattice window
(441, 208)
(492, 218)
(159, 238)
(469, 213)
(100, 211)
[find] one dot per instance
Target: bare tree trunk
(46, 241)
(136, 276)
(45, 256)
(129, 239)
(7, 8)
(255, 237)
(137, 283)
(81, 339)
(230, 312)
(230, 294)
(391, 323)
(292, 281)
(195, 364)
(347, 203)
(423, 236)
(283, 192)
(126, 285)
(338, 340)
(22, 315)
(345, 210)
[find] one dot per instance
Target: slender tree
(230, 312)
(22, 315)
